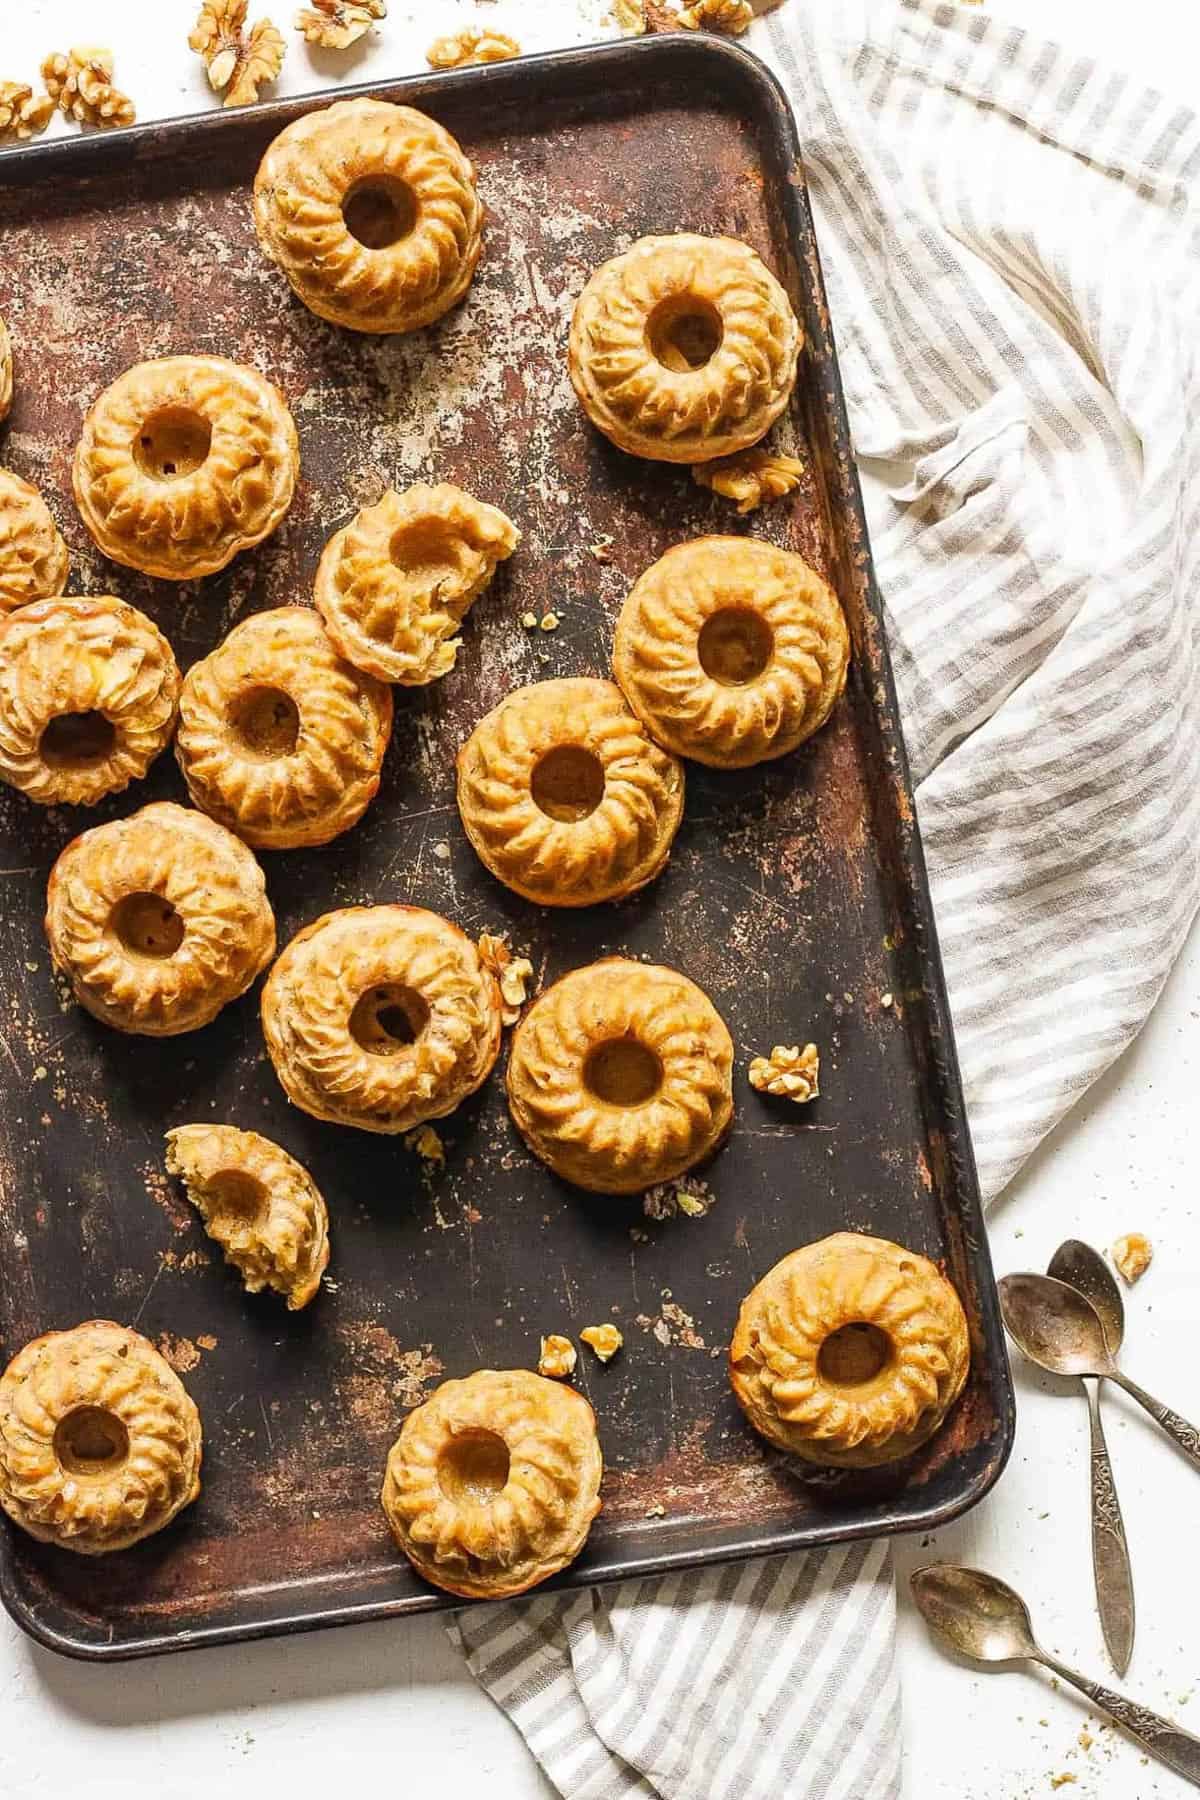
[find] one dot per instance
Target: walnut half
(750, 478)
(789, 1070)
(22, 113)
(81, 85)
(238, 62)
(732, 16)
(474, 45)
(336, 24)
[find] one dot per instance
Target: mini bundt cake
(183, 462)
(564, 795)
(159, 920)
(258, 1203)
(280, 738)
(683, 348)
(620, 1076)
(100, 1441)
(381, 1017)
(850, 1351)
(395, 584)
(493, 1483)
(33, 558)
(731, 651)
(88, 691)
(371, 212)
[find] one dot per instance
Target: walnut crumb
(238, 61)
(602, 550)
(732, 16)
(427, 1144)
(1132, 1255)
(336, 24)
(550, 621)
(558, 1358)
(629, 16)
(1086, 1740)
(686, 1194)
(514, 988)
(474, 45)
(22, 112)
(789, 1070)
(750, 478)
(605, 1340)
(887, 1001)
(80, 85)
(1064, 1780)
(529, 621)
(657, 1511)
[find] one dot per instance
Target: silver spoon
(1082, 1268)
(982, 1618)
(1060, 1330)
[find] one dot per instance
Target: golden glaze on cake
(88, 690)
(100, 1442)
(33, 558)
(258, 1203)
(493, 1483)
(371, 212)
(620, 1076)
(280, 738)
(850, 1351)
(183, 462)
(381, 1017)
(395, 584)
(683, 348)
(564, 795)
(731, 651)
(158, 919)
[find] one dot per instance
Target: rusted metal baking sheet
(796, 893)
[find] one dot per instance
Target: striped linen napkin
(1014, 279)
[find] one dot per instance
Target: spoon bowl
(977, 1614)
(1081, 1267)
(1055, 1325)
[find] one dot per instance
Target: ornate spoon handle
(1110, 1553)
(1178, 1749)
(1185, 1435)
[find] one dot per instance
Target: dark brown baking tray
(796, 893)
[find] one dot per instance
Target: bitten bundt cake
(683, 348)
(100, 1442)
(381, 1017)
(564, 795)
(731, 651)
(620, 1076)
(371, 212)
(850, 1351)
(493, 1483)
(183, 462)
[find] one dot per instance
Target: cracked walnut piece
(513, 973)
(732, 16)
(258, 1204)
(88, 692)
(474, 45)
(22, 114)
(336, 24)
(238, 62)
(80, 84)
(33, 558)
(558, 1357)
(791, 1072)
(750, 478)
(100, 1442)
(493, 1482)
(1132, 1255)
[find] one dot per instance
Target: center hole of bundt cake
(233, 1191)
(622, 1072)
(147, 924)
(90, 1440)
(75, 739)
(684, 332)
(421, 550)
(853, 1354)
(172, 442)
(389, 1017)
(379, 210)
(473, 1466)
(267, 720)
(734, 646)
(567, 783)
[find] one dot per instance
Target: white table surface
(395, 1698)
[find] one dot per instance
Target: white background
(389, 1706)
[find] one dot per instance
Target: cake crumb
(605, 1340)
(1132, 1255)
(529, 621)
(558, 1357)
(658, 1511)
(550, 621)
(427, 1144)
(686, 1194)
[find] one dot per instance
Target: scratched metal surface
(795, 894)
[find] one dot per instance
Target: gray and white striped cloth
(1014, 277)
